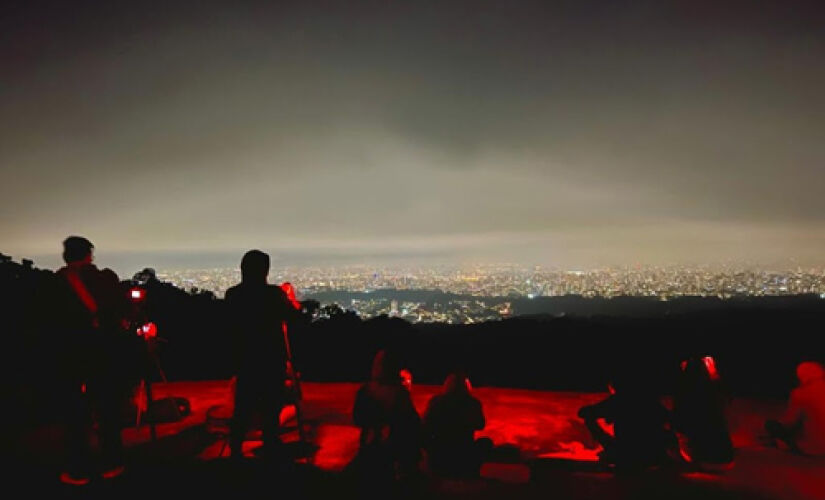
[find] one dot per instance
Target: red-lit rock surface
(541, 442)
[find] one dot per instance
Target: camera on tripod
(137, 294)
(138, 320)
(166, 409)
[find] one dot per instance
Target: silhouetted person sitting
(699, 415)
(802, 427)
(390, 425)
(641, 436)
(257, 311)
(449, 426)
(91, 308)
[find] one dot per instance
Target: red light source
(290, 293)
(710, 365)
(149, 330)
(406, 378)
(136, 294)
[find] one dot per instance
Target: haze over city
(569, 135)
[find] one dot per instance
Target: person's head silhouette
(809, 371)
(456, 384)
(385, 367)
(254, 267)
(77, 249)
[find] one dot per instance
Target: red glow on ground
(536, 425)
(574, 450)
(702, 476)
(338, 445)
(510, 473)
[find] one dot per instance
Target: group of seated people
(645, 432)
(393, 433)
(635, 429)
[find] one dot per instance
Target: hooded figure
(450, 423)
(802, 426)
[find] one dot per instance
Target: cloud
(327, 126)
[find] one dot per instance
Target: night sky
(569, 134)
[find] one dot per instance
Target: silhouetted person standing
(641, 425)
(257, 312)
(802, 427)
(91, 308)
(450, 423)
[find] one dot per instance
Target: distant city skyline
(128, 263)
(555, 133)
(500, 280)
(478, 293)
(475, 292)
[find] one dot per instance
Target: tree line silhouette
(756, 347)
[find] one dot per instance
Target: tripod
(295, 386)
(292, 374)
(148, 332)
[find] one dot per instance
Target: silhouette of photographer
(91, 306)
(257, 312)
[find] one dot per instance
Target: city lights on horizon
(483, 292)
